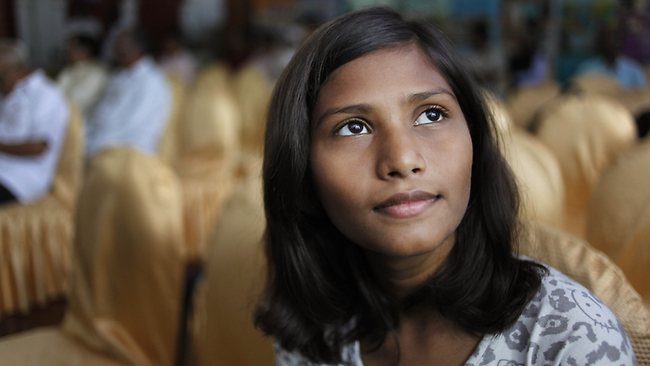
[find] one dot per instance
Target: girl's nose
(399, 156)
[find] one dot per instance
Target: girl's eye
(353, 128)
(430, 115)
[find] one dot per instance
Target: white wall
(40, 25)
(200, 17)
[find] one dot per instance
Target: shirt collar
(34, 78)
(143, 64)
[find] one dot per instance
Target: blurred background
(507, 35)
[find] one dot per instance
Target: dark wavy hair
(320, 292)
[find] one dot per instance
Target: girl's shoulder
(564, 323)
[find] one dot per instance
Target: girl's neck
(402, 276)
(423, 338)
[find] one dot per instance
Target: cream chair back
(128, 259)
(618, 221)
(234, 276)
(525, 102)
(585, 132)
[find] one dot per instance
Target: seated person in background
(643, 124)
(273, 49)
(83, 78)
(486, 61)
(33, 117)
(611, 62)
(136, 102)
(176, 60)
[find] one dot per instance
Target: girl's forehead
(392, 71)
(407, 49)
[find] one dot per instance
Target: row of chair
(141, 219)
(592, 136)
(127, 268)
(202, 143)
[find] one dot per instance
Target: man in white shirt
(33, 119)
(135, 106)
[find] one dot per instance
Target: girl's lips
(404, 205)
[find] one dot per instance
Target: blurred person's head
(643, 124)
(13, 64)
(311, 20)
(479, 34)
(131, 45)
(80, 47)
(607, 45)
(171, 43)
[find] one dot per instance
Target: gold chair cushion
(596, 83)
(636, 100)
(168, 145)
(252, 91)
(213, 76)
(69, 170)
(585, 132)
(618, 221)
(235, 270)
(539, 179)
(208, 147)
(128, 259)
(535, 168)
(524, 103)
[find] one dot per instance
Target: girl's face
(391, 153)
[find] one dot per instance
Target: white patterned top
(564, 324)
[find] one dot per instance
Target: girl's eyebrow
(348, 109)
(366, 108)
(417, 97)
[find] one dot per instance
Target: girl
(392, 216)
